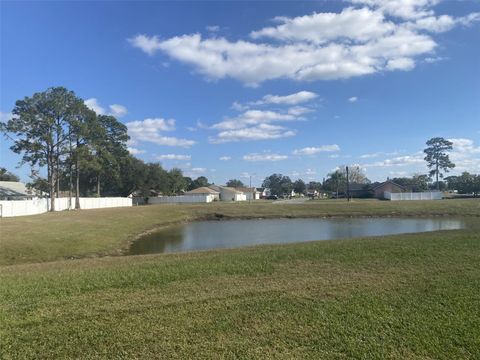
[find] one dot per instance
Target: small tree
(437, 158)
(6, 175)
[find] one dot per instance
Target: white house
(250, 193)
(14, 190)
(229, 193)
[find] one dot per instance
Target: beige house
(208, 193)
(229, 193)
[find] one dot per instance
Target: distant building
(14, 190)
(375, 190)
(387, 186)
(229, 193)
(250, 193)
(210, 194)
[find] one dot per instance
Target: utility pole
(250, 198)
(348, 186)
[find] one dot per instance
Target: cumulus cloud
(259, 132)
(150, 130)
(406, 160)
(135, 151)
(292, 99)
(4, 117)
(315, 150)
(264, 157)
(94, 105)
(371, 36)
(465, 155)
(212, 28)
(352, 99)
(256, 125)
(116, 110)
(173, 157)
(357, 24)
(225, 158)
(297, 98)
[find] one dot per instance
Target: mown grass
(413, 296)
(403, 297)
(74, 234)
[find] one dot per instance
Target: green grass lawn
(414, 296)
(54, 236)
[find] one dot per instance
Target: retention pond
(203, 235)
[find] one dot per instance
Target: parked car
(272, 197)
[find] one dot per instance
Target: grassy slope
(49, 237)
(408, 296)
(405, 297)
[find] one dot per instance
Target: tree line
(84, 153)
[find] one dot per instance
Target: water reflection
(204, 235)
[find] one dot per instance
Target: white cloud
(253, 117)
(212, 28)
(315, 150)
(93, 104)
(150, 130)
(116, 110)
(357, 24)
(239, 107)
(225, 158)
(148, 44)
(431, 60)
(402, 63)
(260, 132)
(4, 117)
(256, 125)
(352, 99)
(406, 160)
(173, 157)
(404, 9)
(292, 99)
(374, 36)
(264, 157)
(465, 155)
(198, 170)
(135, 151)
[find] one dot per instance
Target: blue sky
(230, 89)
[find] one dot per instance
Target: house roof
(202, 190)
(227, 188)
(376, 186)
(13, 189)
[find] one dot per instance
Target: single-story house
(228, 193)
(250, 193)
(375, 190)
(264, 192)
(379, 189)
(14, 190)
(210, 194)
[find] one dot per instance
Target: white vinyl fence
(182, 199)
(10, 208)
(430, 195)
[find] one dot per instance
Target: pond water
(203, 235)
